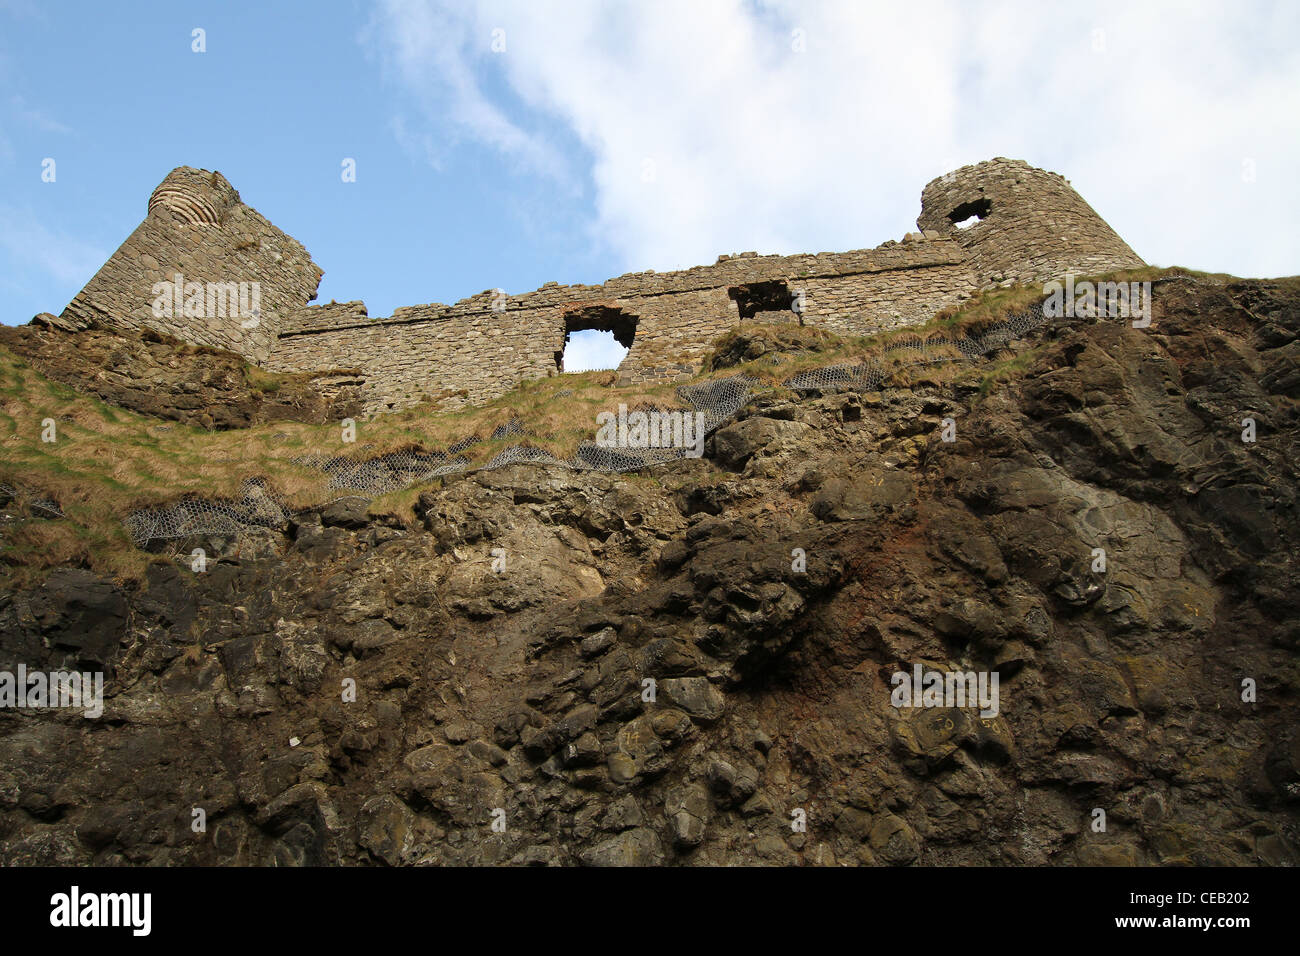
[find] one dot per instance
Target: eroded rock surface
(156, 375)
(672, 667)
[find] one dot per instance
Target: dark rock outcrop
(153, 374)
(685, 666)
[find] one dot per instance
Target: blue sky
(507, 144)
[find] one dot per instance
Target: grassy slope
(107, 461)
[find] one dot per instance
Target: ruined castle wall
(481, 354)
(330, 315)
(198, 227)
(674, 333)
(1036, 226)
(862, 305)
(484, 351)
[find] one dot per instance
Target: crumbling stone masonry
(996, 221)
(1040, 226)
(197, 228)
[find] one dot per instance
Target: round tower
(193, 197)
(202, 267)
(1021, 223)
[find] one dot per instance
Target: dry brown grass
(107, 461)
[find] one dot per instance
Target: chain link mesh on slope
(718, 400)
(871, 375)
(40, 507)
(255, 508)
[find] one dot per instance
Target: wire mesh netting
(37, 506)
(255, 508)
(871, 375)
(659, 435)
(679, 433)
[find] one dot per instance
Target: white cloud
(707, 131)
(436, 51)
(35, 117)
(590, 349)
(27, 242)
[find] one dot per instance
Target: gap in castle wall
(590, 324)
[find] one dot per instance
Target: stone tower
(982, 225)
(1030, 225)
(227, 254)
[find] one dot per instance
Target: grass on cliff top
(106, 461)
(796, 349)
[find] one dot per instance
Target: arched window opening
(596, 337)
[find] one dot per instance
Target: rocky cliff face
(682, 666)
(156, 375)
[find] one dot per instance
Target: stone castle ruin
(994, 222)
